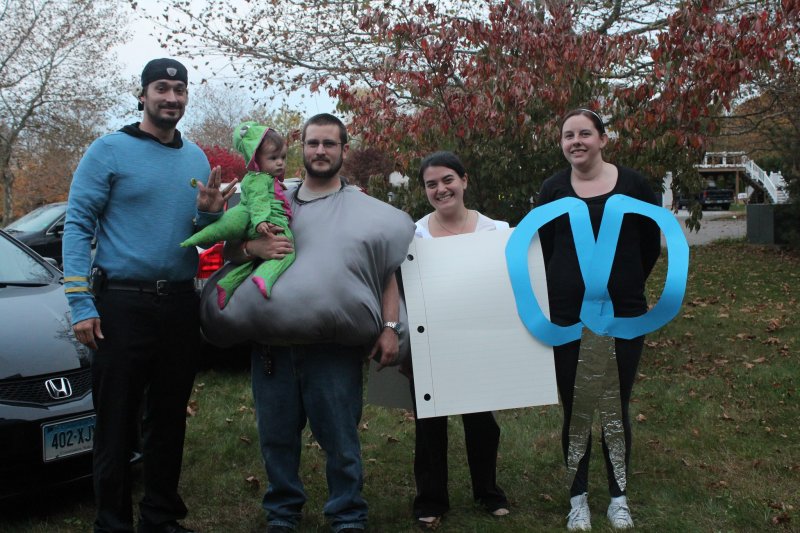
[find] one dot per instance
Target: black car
(46, 414)
(42, 229)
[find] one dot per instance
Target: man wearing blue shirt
(138, 192)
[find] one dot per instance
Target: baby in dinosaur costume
(262, 203)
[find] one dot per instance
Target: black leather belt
(160, 287)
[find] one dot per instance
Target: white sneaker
(579, 517)
(619, 514)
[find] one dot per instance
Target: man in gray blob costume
(337, 303)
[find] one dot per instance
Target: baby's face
(271, 159)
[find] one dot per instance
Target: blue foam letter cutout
(595, 259)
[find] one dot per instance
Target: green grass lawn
(716, 443)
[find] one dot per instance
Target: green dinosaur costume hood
(247, 137)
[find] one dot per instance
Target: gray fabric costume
(332, 293)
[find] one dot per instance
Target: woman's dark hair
(588, 113)
(442, 159)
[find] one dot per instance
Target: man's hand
(86, 331)
(271, 245)
(387, 346)
(210, 198)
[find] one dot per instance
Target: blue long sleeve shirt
(135, 195)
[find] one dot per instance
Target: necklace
(448, 230)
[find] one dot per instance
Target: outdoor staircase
(772, 183)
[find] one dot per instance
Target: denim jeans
(321, 383)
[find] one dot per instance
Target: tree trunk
(8, 182)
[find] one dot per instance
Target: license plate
(67, 438)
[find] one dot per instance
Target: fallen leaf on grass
(392, 439)
(748, 366)
(245, 439)
(192, 407)
(760, 360)
(725, 416)
(781, 506)
(771, 340)
(641, 418)
(723, 315)
(745, 336)
(545, 497)
(688, 316)
(782, 518)
(773, 325)
(228, 420)
(364, 426)
(253, 481)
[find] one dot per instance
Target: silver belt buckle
(161, 287)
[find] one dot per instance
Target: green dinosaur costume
(262, 200)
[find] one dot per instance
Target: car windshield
(17, 266)
(38, 219)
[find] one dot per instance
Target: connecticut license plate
(67, 438)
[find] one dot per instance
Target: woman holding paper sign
(599, 374)
(445, 180)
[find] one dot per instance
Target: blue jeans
(321, 383)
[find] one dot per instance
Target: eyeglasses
(327, 144)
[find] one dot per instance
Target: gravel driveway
(714, 225)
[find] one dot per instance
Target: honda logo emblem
(58, 388)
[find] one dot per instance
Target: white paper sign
(471, 352)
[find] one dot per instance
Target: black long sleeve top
(638, 249)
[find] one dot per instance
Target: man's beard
(165, 122)
(332, 172)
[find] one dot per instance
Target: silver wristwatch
(393, 325)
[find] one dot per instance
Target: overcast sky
(142, 47)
